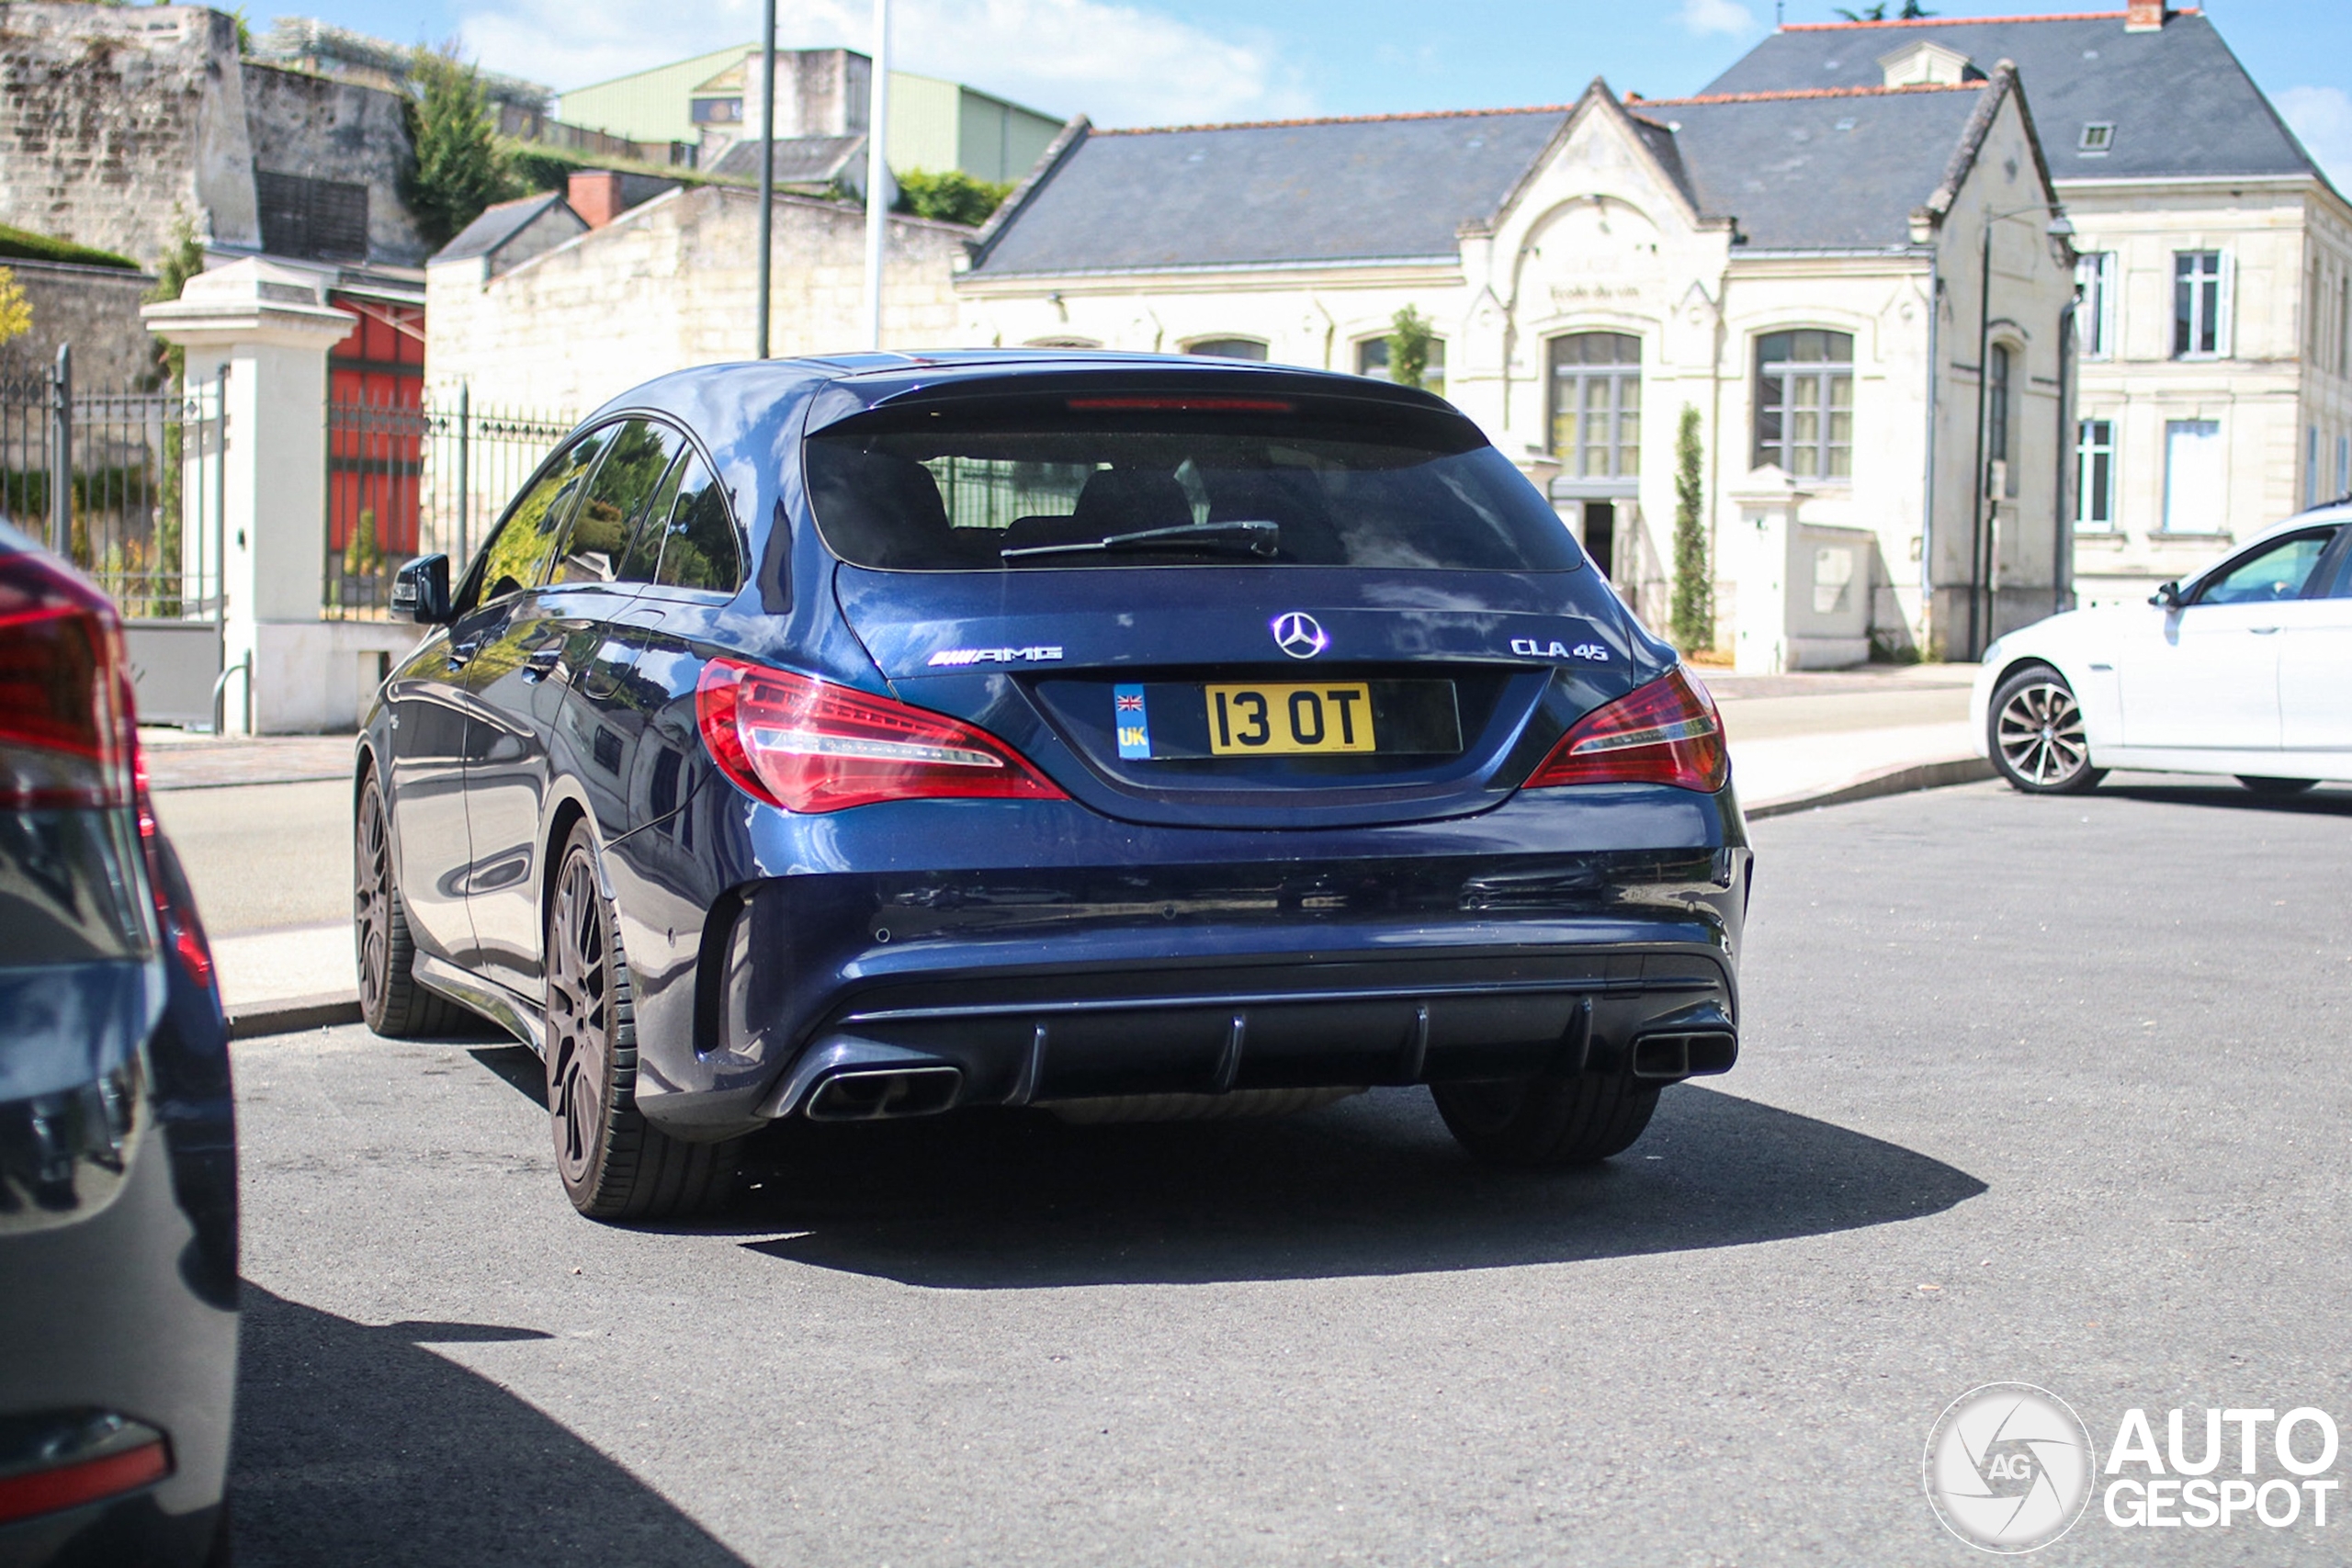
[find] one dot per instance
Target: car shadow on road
(357, 1444)
(1372, 1185)
(2324, 801)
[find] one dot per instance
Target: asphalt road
(2039, 1089)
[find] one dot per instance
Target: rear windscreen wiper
(1252, 538)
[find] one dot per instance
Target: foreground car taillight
(66, 733)
(54, 1462)
(808, 745)
(1666, 732)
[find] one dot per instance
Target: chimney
(595, 194)
(2145, 17)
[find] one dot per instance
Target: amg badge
(957, 657)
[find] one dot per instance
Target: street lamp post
(767, 173)
(877, 170)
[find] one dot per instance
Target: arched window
(1804, 403)
(1597, 405)
(1228, 348)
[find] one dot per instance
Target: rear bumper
(1466, 952)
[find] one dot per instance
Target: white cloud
(1706, 17)
(2322, 117)
(1121, 64)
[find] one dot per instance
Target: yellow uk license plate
(1285, 720)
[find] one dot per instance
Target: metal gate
(130, 486)
(406, 479)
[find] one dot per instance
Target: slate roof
(800, 160)
(1838, 173)
(1338, 190)
(2181, 102)
(497, 225)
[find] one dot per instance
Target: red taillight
(71, 1485)
(66, 733)
(1666, 732)
(808, 745)
(174, 908)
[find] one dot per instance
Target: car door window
(2277, 572)
(699, 551)
(517, 554)
(2341, 587)
(598, 548)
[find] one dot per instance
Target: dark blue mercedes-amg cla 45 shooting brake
(1133, 737)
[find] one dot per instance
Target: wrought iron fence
(128, 485)
(410, 478)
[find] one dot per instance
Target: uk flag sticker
(1134, 723)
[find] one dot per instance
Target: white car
(2244, 668)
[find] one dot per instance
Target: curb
(291, 1015)
(1899, 781)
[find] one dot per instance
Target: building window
(1228, 348)
(2344, 466)
(2095, 475)
(716, 112)
(1372, 359)
(2344, 324)
(2194, 502)
(2311, 465)
(1597, 405)
(2099, 136)
(1996, 408)
(2197, 299)
(2095, 315)
(1804, 403)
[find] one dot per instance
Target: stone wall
(674, 283)
(95, 309)
(115, 120)
(323, 128)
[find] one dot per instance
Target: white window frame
(2094, 323)
(2224, 280)
(2205, 528)
(2087, 450)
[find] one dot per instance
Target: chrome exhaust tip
(885, 1094)
(1685, 1054)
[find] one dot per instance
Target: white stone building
(533, 309)
(1806, 270)
(2215, 386)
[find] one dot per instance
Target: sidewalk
(1797, 743)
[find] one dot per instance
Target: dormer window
(1925, 64)
(2098, 138)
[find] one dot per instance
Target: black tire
(2275, 786)
(391, 1002)
(2034, 734)
(1549, 1121)
(615, 1165)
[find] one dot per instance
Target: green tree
(1410, 334)
(1694, 578)
(952, 196)
(16, 311)
(459, 168)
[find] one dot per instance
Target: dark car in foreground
(117, 1154)
(1131, 736)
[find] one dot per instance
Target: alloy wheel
(580, 1021)
(371, 898)
(2040, 733)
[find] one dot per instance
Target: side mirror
(421, 591)
(2166, 597)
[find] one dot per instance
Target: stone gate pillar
(1758, 557)
(269, 327)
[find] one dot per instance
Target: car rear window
(1159, 479)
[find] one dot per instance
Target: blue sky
(1170, 61)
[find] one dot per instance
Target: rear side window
(2270, 575)
(637, 456)
(698, 549)
(1155, 480)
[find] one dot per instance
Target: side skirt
(489, 999)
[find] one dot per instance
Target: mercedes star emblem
(1297, 635)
